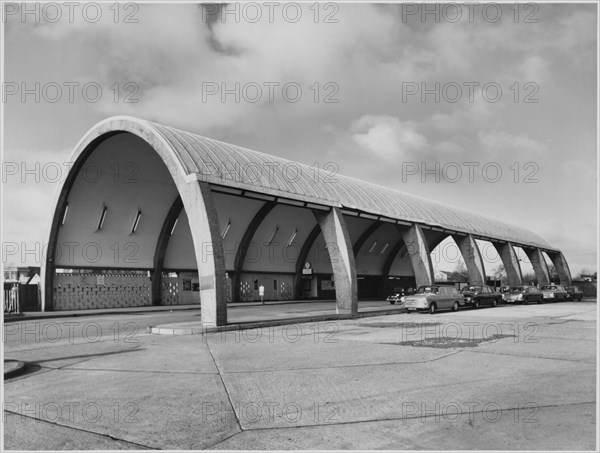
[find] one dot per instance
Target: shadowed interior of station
(151, 215)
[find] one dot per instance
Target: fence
(11, 298)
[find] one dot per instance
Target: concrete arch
(212, 188)
(303, 255)
(161, 249)
(562, 267)
(399, 250)
(364, 236)
(472, 257)
(336, 235)
(539, 265)
(242, 250)
(197, 200)
(417, 249)
(509, 258)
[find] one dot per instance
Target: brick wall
(590, 289)
(88, 291)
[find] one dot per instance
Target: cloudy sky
(383, 91)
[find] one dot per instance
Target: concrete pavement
(513, 377)
(15, 317)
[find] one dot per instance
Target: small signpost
(307, 269)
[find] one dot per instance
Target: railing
(11, 300)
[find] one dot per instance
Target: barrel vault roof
(234, 166)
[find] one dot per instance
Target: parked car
(396, 296)
(399, 294)
(433, 298)
(574, 293)
(523, 295)
(477, 295)
(554, 293)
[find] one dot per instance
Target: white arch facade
(197, 215)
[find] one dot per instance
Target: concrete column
(418, 252)
(200, 207)
(510, 262)
(339, 246)
(539, 265)
(560, 263)
(472, 256)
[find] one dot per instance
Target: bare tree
(500, 274)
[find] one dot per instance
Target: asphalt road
(511, 377)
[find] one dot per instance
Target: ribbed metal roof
(234, 166)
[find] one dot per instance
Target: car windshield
(427, 289)
(516, 289)
(549, 288)
(570, 288)
(469, 289)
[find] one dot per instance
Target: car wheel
(476, 304)
(455, 306)
(392, 302)
(432, 308)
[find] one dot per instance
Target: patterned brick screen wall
(287, 291)
(284, 287)
(170, 290)
(88, 291)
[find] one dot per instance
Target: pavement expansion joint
(237, 418)
(198, 373)
(231, 436)
(415, 417)
(331, 367)
(82, 343)
(533, 356)
(109, 436)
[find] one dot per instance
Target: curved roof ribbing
(234, 166)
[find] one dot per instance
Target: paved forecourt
(513, 377)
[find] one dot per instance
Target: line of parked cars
(432, 298)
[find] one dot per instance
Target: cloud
(498, 144)
(387, 136)
(185, 58)
(172, 52)
(448, 148)
(574, 170)
(466, 116)
(533, 69)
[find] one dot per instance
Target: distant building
(24, 275)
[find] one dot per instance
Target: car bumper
(415, 306)
(512, 301)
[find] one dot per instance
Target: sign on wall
(327, 285)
